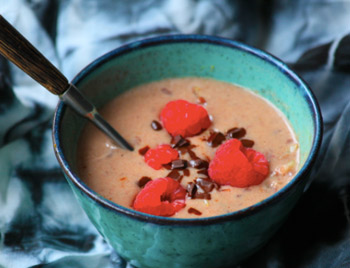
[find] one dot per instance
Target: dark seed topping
(192, 154)
(182, 150)
(194, 211)
(166, 91)
(206, 184)
(186, 172)
(167, 166)
(191, 189)
(178, 141)
(199, 164)
(203, 172)
(174, 174)
(185, 149)
(235, 133)
(143, 181)
(201, 193)
(155, 125)
(179, 164)
(144, 150)
(215, 139)
(247, 143)
(201, 188)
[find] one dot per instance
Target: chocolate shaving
(206, 184)
(194, 211)
(201, 193)
(235, 133)
(166, 91)
(201, 188)
(188, 149)
(192, 154)
(179, 164)
(198, 164)
(178, 141)
(143, 181)
(215, 139)
(203, 172)
(191, 189)
(174, 174)
(155, 125)
(186, 172)
(144, 150)
(167, 166)
(247, 143)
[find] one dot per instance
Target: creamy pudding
(116, 174)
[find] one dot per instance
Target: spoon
(17, 49)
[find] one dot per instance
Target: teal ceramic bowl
(220, 241)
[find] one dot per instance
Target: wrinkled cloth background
(41, 224)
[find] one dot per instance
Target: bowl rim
(181, 38)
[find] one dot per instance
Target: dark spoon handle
(16, 48)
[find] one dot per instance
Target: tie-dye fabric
(41, 224)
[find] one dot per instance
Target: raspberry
(183, 118)
(161, 197)
(162, 154)
(235, 165)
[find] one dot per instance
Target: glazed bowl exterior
(220, 241)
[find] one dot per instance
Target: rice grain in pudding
(115, 173)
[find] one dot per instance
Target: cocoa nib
(188, 149)
(144, 150)
(198, 164)
(179, 164)
(215, 139)
(174, 174)
(239, 133)
(178, 141)
(143, 181)
(201, 188)
(206, 184)
(155, 125)
(247, 143)
(235, 133)
(167, 166)
(194, 211)
(191, 189)
(192, 154)
(194, 191)
(186, 172)
(203, 172)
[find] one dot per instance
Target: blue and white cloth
(41, 224)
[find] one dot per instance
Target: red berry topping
(162, 154)
(183, 118)
(161, 197)
(235, 165)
